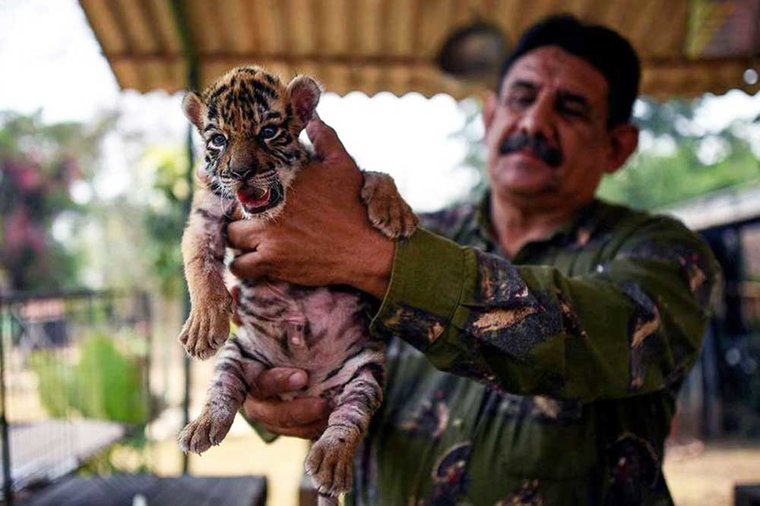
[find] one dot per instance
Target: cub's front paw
(205, 431)
(387, 210)
(205, 331)
(329, 462)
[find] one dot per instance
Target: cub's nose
(243, 171)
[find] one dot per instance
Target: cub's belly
(323, 331)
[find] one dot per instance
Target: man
(537, 361)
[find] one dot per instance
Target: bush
(105, 383)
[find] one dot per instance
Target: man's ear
(194, 109)
(489, 108)
(304, 96)
(624, 139)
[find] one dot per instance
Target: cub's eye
(268, 132)
(218, 140)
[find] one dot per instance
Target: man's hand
(323, 236)
(304, 417)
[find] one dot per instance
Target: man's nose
(538, 118)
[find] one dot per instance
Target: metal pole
(144, 301)
(7, 483)
(186, 311)
(192, 83)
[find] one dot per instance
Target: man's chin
(533, 183)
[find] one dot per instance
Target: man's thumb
(326, 142)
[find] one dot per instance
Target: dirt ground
(705, 474)
(699, 474)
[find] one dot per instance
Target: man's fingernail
(297, 380)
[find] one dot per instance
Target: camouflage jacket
(550, 378)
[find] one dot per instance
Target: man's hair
(606, 50)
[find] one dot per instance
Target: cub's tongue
(253, 197)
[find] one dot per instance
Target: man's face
(546, 133)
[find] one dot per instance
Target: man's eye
(218, 140)
(573, 111)
(519, 101)
(268, 132)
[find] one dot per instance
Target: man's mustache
(537, 144)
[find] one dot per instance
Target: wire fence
(74, 379)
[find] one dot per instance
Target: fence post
(7, 478)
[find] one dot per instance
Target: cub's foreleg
(387, 210)
(235, 372)
(203, 247)
(330, 458)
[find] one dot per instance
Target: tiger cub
(250, 122)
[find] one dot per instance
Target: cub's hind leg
(235, 371)
(387, 210)
(331, 457)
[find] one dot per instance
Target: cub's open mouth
(255, 199)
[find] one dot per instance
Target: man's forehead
(553, 66)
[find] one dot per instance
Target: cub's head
(250, 122)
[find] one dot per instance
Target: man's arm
(632, 327)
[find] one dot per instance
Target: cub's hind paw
(329, 464)
(204, 432)
(204, 332)
(387, 210)
(327, 500)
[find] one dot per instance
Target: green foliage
(654, 180)
(112, 461)
(671, 169)
(109, 384)
(474, 158)
(39, 164)
(165, 218)
(53, 379)
(677, 159)
(105, 383)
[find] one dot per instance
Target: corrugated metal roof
(688, 47)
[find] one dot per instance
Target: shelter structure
(688, 47)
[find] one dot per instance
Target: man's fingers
(310, 431)
(202, 175)
(247, 266)
(281, 380)
(281, 415)
(243, 234)
(325, 140)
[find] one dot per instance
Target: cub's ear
(304, 96)
(194, 109)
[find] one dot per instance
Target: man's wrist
(429, 276)
(374, 264)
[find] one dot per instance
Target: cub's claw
(387, 210)
(204, 432)
(205, 331)
(329, 464)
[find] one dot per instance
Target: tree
(164, 219)
(677, 158)
(40, 165)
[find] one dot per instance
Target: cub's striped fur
(250, 122)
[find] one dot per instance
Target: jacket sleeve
(633, 326)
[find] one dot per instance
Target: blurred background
(94, 184)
